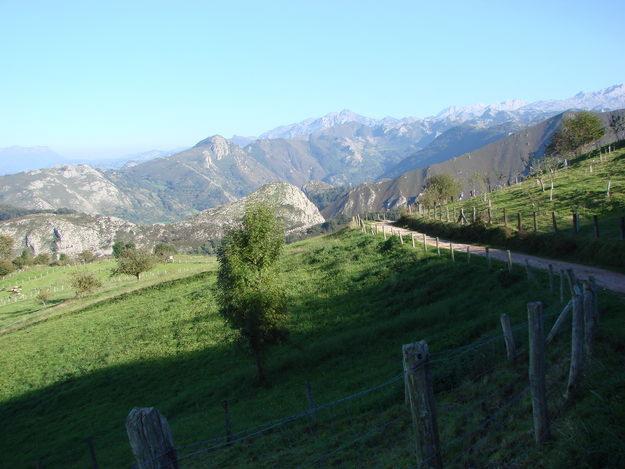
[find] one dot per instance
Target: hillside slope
(354, 300)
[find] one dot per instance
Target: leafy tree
(6, 246)
(617, 124)
(121, 246)
(86, 257)
(6, 267)
(164, 250)
(84, 282)
(41, 259)
(439, 189)
(134, 262)
(575, 133)
(250, 295)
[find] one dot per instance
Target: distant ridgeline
(8, 212)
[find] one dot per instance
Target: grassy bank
(354, 300)
(581, 188)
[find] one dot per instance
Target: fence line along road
(613, 281)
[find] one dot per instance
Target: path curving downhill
(607, 279)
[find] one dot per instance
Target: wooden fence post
(577, 346)
(412, 236)
(451, 251)
(559, 323)
(508, 337)
(575, 222)
(384, 231)
(519, 226)
(595, 221)
(509, 260)
(554, 222)
(535, 224)
(425, 249)
(423, 409)
(438, 249)
(505, 218)
(537, 371)
(150, 439)
(474, 219)
(490, 216)
(589, 318)
(488, 259)
(92, 455)
(401, 239)
(468, 255)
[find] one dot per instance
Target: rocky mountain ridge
(75, 232)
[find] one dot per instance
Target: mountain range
(375, 160)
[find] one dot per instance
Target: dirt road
(607, 279)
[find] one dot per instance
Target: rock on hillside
(73, 233)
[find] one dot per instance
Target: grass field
(354, 300)
(18, 310)
(582, 187)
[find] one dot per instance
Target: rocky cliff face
(73, 233)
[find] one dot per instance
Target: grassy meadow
(18, 310)
(353, 300)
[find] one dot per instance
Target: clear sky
(97, 78)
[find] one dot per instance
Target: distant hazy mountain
(16, 159)
(130, 159)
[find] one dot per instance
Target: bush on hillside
(120, 246)
(134, 262)
(84, 283)
(41, 259)
(44, 296)
(24, 259)
(6, 246)
(6, 267)
(86, 257)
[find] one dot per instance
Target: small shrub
(163, 250)
(6, 267)
(41, 259)
(84, 283)
(44, 296)
(24, 259)
(86, 257)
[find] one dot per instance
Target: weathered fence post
(92, 455)
(451, 251)
(537, 371)
(559, 323)
(422, 406)
(508, 337)
(468, 255)
(490, 216)
(488, 259)
(401, 239)
(554, 222)
(438, 248)
(575, 222)
(505, 218)
(577, 346)
(474, 219)
(150, 439)
(535, 224)
(384, 231)
(509, 260)
(519, 226)
(412, 237)
(589, 318)
(425, 249)
(595, 222)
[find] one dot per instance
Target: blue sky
(99, 78)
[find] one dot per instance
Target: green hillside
(581, 188)
(354, 300)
